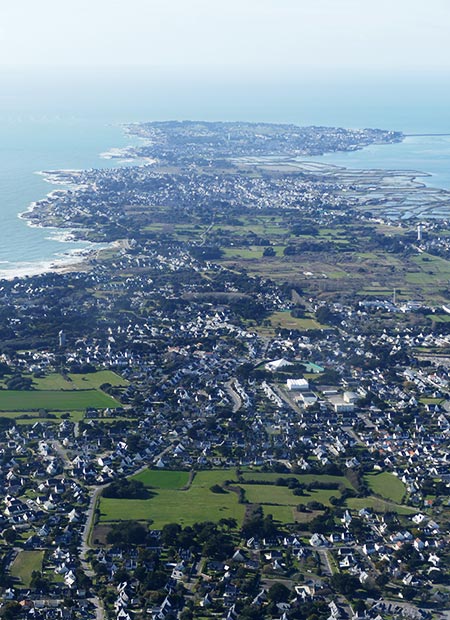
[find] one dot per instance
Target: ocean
(56, 120)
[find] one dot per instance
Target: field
(30, 417)
(163, 479)
(303, 478)
(172, 501)
(286, 321)
(379, 505)
(169, 504)
(341, 260)
(386, 485)
(57, 394)
(54, 400)
(94, 380)
(178, 498)
(25, 563)
(272, 496)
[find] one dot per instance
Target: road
(236, 399)
(325, 562)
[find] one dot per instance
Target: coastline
(72, 179)
(62, 265)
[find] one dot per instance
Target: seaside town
(239, 407)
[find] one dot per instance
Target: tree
(10, 610)
(279, 593)
(344, 584)
(127, 533)
(269, 251)
(10, 535)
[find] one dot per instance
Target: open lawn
(303, 478)
(282, 496)
(53, 381)
(284, 320)
(88, 381)
(30, 417)
(378, 505)
(25, 563)
(439, 318)
(94, 380)
(243, 253)
(54, 400)
(170, 504)
(386, 485)
(163, 479)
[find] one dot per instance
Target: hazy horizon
(264, 36)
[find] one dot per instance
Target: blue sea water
(56, 119)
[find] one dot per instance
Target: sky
(243, 36)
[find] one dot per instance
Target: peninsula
(239, 408)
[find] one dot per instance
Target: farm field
(25, 564)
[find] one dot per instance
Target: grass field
(439, 318)
(95, 379)
(54, 400)
(282, 496)
(25, 563)
(30, 417)
(378, 505)
(173, 502)
(284, 319)
(170, 504)
(386, 485)
(303, 478)
(163, 479)
(89, 381)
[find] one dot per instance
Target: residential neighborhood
(194, 427)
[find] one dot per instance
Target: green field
(89, 381)
(170, 504)
(163, 479)
(173, 502)
(24, 564)
(94, 380)
(269, 495)
(54, 400)
(303, 478)
(30, 417)
(386, 485)
(378, 505)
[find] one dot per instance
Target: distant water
(61, 120)
(430, 154)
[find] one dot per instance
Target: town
(239, 407)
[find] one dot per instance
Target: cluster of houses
(205, 387)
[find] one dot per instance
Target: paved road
(237, 401)
(325, 562)
(99, 609)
